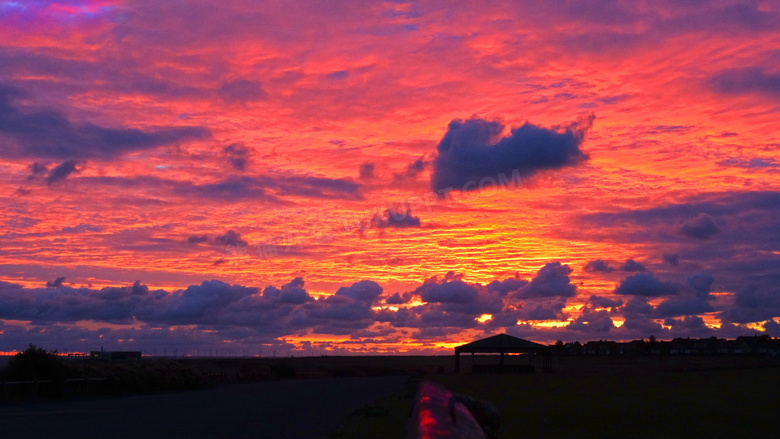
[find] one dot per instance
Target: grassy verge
(672, 403)
(385, 418)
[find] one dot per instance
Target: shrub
(38, 364)
(35, 363)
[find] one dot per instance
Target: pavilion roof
(500, 343)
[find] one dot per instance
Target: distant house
(711, 346)
(635, 347)
(601, 348)
(572, 348)
(754, 345)
(682, 346)
(115, 355)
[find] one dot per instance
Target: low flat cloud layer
(449, 303)
(45, 133)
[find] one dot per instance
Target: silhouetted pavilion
(502, 344)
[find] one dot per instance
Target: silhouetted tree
(35, 363)
(652, 343)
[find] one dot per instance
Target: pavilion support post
(457, 361)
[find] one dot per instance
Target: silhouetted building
(746, 345)
(601, 348)
(115, 355)
(756, 345)
(502, 344)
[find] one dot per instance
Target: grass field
(606, 398)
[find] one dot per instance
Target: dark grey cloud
(272, 189)
(632, 266)
(49, 134)
(62, 171)
(449, 305)
(591, 321)
(242, 91)
(398, 219)
(682, 306)
(58, 303)
(428, 316)
(508, 285)
(56, 282)
(740, 251)
(451, 295)
(338, 75)
(701, 283)
(363, 291)
(312, 186)
(230, 189)
(637, 306)
(743, 18)
(672, 259)
(604, 302)
(36, 170)
(398, 299)
(688, 323)
(290, 293)
(752, 304)
(293, 293)
(772, 328)
(367, 170)
(752, 163)
(238, 155)
(81, 228)
(472, 149)
(453, 291)
(645, 284)
(341, 309)
(230, 238)
(712, 204)
(198, 304)
(197, 239)
(347, 310)
(113, 76)
(700, 227)
(552, 280)
(751, 80)
(598, 266)
(546, 310)
(643, 325)
(412, 170)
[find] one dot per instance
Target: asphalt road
(308, 408)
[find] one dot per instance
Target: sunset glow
(381, 177)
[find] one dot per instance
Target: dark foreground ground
(603, 397)
(303, 408)
(371, 397)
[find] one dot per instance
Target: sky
(304, 178)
